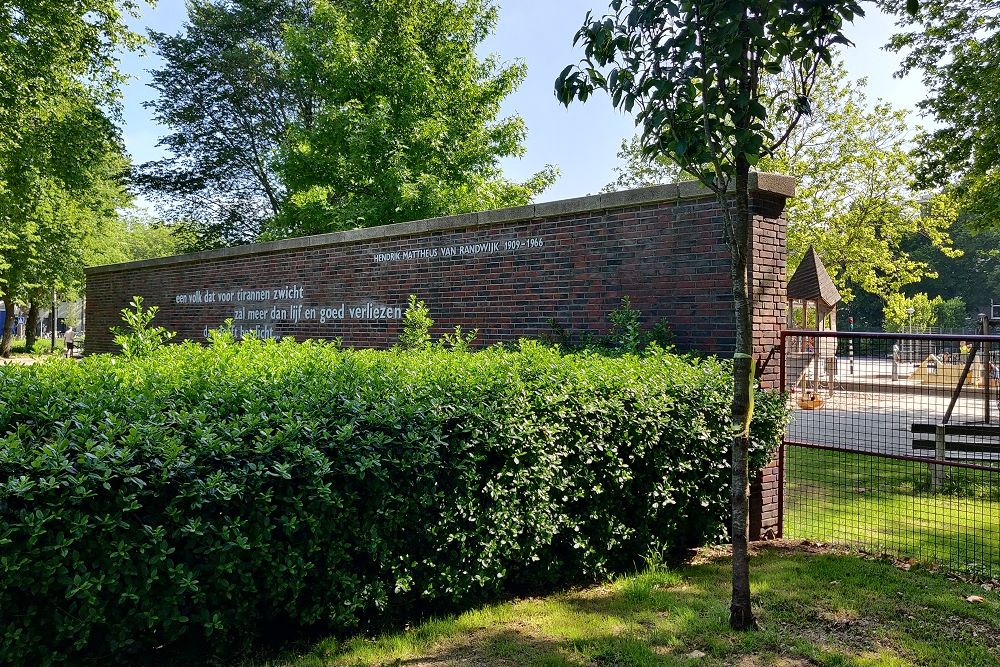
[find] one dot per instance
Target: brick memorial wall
(509, 273)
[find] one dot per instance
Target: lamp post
(54, 306)
(909, 316)
(850, 345)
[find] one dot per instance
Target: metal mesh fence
(894, 444)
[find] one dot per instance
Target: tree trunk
(740, 611)
(31, 326)
(8, 327)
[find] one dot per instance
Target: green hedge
(188, 502)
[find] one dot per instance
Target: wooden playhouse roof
(811, 281)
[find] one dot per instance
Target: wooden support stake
(937, 470)
(961, 382)
(987, 375)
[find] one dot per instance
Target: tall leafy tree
(691, 70)
(956, 45)
(855, 201)
(292, 117)
(226, 97)
(406, 123)
(58, 93)
(63, 185)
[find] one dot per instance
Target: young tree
(951, 313)
(692, 71)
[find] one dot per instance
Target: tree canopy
(956, 46)
(293, 117)
(692, 71)
(855, 199)
(48, 45)
(224, 94)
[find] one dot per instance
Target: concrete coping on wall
(783, 186)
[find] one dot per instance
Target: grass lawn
(815, 608)
(891, 506)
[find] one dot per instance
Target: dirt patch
(712, 554)
(514, 645)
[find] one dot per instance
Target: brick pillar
(767, 267)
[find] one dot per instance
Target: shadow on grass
(814, 609)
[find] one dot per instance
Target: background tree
(224, 93)
(133, 236)
(637, 169)
(406, 118)
(63, 185)
(924, 315)
(975, 275)
(293, 117)
(854, 200)
(692, 71)
(952, 313)
(59, 153)
(956, 44)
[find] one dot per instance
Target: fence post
(984, 325)
(937, 471)
(781, 489)
(781, 448)
(850, 345)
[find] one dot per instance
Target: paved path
(870, 412)
(23, 361)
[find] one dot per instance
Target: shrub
(625, 331)
(417, 323)
(458, 340)
(625, 335)
(196, 498)
(139, 338)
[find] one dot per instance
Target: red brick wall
(663, 247)
(768, 265)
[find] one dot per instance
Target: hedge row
(189, 501)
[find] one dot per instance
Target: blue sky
(582, 140)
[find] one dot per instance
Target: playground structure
(812, 304)
(982, 375)
(941, 371)
(962, 372)
(946, 370)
